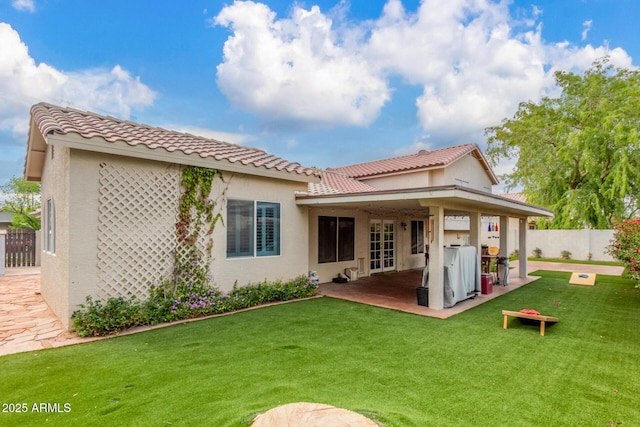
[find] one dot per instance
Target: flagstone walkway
(26, 321)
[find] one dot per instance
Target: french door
(382, 249)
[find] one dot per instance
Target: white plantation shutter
(267, 229)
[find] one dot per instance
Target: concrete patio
(397, 291)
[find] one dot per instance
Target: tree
(577, 154)
(23, 198)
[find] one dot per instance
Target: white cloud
(24, 5)
(294, 69)
(292, 142)
(233, 138)
(586, 27)
(414, 148)
(474, 60)
(24, 83)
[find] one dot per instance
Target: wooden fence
(20, 248)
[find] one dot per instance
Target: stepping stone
(305, 414)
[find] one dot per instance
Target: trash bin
(423, 296)
(486, 283)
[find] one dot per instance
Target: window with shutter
(253, 228)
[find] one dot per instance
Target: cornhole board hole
(585, 279)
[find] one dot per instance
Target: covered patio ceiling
(455, 200)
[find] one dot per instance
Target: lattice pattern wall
(136, 228)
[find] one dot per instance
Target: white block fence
(580, 243)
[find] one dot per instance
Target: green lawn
(576, 261)
(397, 368)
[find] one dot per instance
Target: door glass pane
(346, 239)
(327, 239)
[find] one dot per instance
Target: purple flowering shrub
(168, 303)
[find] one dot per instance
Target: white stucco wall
(404, 260)
(73, 177)
(293, 259)
(418, 179)
(54, 278)
(466, 171)
(438, 178)
(327, 271)
(469, 171)
(86, 270)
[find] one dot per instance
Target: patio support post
(504, 236)
(475, 230)
(436, 260)
(475, 240)
(522, 247)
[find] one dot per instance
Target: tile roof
(335, 183)
(518, 197)
(420, 160)
(52, 119)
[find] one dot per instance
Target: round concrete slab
(305, 414)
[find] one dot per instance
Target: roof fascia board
(121, 148)
(435, 196)
(492, 204)
(36, 150)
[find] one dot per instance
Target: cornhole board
(543, 319)
(585, 279)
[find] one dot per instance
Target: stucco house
(6, 219)
(111, 188)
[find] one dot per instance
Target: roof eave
(36, 151)
(451, 196)
(121, 148)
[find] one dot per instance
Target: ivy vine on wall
(194, 229)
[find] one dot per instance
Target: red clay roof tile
(421, 160)
(518, 197)
(335, 183)
(52, 119)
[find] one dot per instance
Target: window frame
(255, 226)
(266, 227)
(332, 232)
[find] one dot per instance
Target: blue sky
(323, 83)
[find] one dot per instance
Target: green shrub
(164, 304)
(98, 318)
(537, 253)
(625, 247)
(565, 255)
